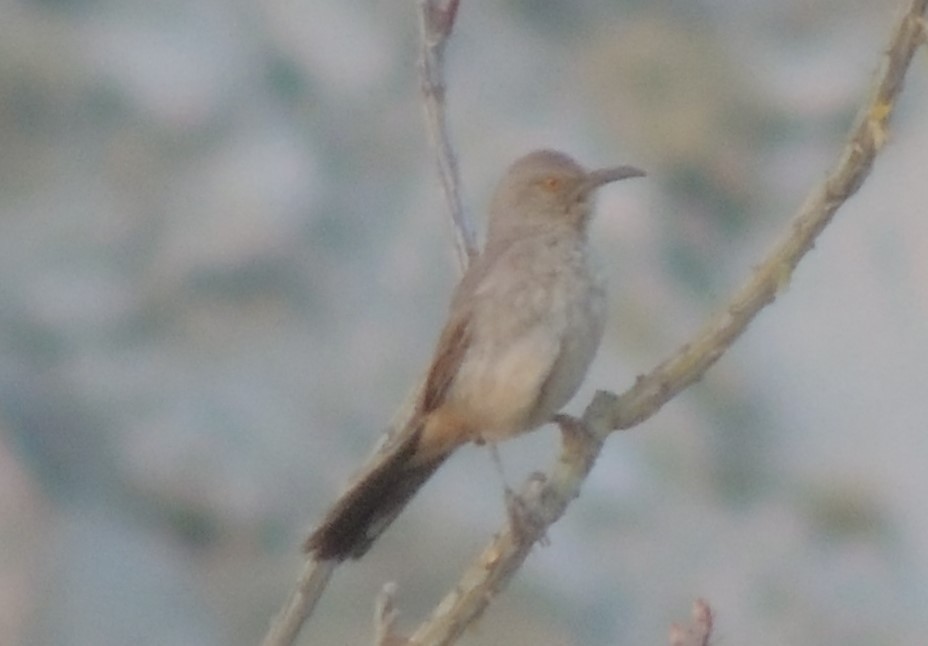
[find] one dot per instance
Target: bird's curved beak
(597, 178)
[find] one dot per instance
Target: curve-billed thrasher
(524, 324)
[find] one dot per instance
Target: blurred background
(225, 260)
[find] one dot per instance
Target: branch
(772, 276)
(436, 20)
(286, 625)
(545, 499)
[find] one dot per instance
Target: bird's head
(547, 187)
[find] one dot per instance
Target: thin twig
(436, 20)
(286, 625)
(698, 631)
(385, 614)
(546, 501)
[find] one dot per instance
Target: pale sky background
(225, 262)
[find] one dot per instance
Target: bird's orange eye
(551, 183)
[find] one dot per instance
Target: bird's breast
(537, 322)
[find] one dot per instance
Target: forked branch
(546, 501)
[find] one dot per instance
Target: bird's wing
(450, 351)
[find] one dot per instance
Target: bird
(523, 326)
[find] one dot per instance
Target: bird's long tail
(372, 502)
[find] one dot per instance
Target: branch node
(527, 519)
(574, 434)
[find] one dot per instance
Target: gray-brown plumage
(524, 324)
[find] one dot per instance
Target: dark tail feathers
(370, 504)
